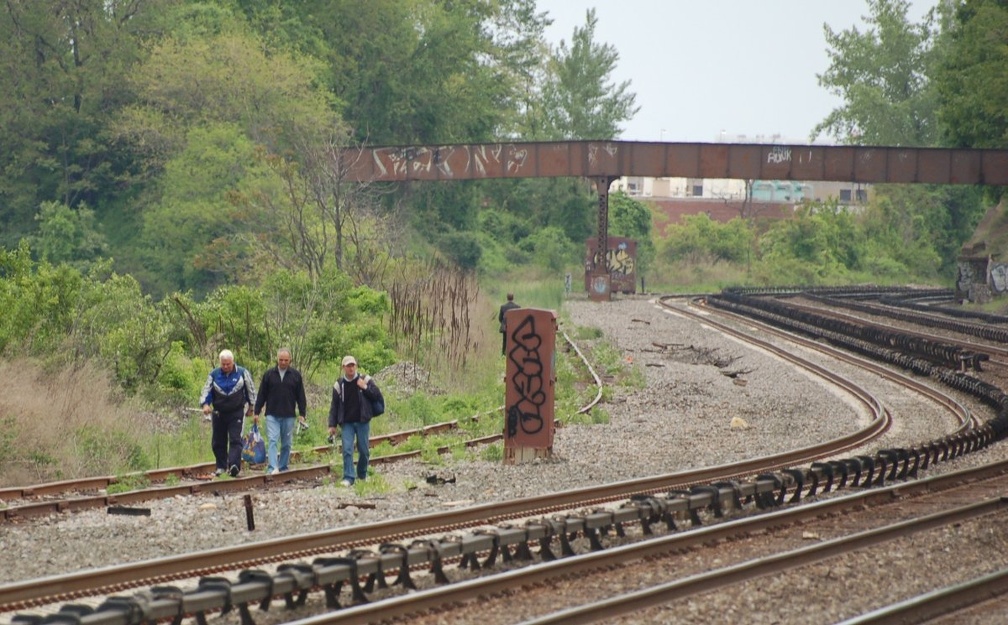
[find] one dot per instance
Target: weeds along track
(24, 502)
(509, 530)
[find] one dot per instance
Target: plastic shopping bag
(253, 446)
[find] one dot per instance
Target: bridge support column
(600, 282)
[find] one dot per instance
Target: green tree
(67, 235)
(416, 72)
(928, 224)
(822, 243)
(972, 80)
(62, 69)
(548, 248)
(699, 238)
(192, 235)
(191, 79)
(632, 219)
(899, 244)
(38, 300)
(523, 58)
(581, 101)
(882, 76)
(115, 323)
(462, 248)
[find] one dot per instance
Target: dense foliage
(168, 184)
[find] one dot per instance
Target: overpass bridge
(605, 161)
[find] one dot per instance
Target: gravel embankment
(680, 418)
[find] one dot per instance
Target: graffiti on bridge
(450, 161)
(620, 262)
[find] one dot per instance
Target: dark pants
(226, 439)
(503, 342)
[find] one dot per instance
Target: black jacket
(281, 397)
(366, 396)
(506, 306)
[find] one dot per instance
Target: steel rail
(591, 370)
(937, 603)
(260, 589)
(543, 573)
(177, 567)
(967, 344)
(159, 475)
(965, 417)
(726, 576)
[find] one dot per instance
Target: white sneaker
(346, 483)
(272, 471)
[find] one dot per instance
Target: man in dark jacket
(228, 389)
(351, 411)
(281, 392)
(506, 306)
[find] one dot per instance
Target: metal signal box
(529, 384)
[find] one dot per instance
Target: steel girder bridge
(605, 161)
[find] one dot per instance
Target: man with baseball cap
(351, 410)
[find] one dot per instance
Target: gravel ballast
(695, 382)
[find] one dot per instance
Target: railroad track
(761, 490)
(567, 591)
(24, 502)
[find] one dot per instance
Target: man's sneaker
(234, 470)
(272, 471)
(346, 483)
(219, 472)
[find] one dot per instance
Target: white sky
(700, 67)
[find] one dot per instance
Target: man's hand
(206, 409)
(255, 419)
(361, 383)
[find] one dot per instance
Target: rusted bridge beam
(612, 159)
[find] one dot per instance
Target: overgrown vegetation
(152, 219)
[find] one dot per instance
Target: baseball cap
(349, 360)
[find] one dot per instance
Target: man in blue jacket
(281, 392)
(230, 394)
(351, 409)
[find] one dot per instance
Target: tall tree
(191, 235)
(973, 77)
(62, 65)
(522, 56)
(581, 100)
(422, 71)
(882, 77)
(68, 236)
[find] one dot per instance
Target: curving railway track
(348, 563)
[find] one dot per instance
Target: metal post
(600, 279)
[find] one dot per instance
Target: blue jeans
(362, 431)
(279, 429)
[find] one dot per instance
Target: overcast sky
(703, 67)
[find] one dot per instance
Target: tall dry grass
(63, 424)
